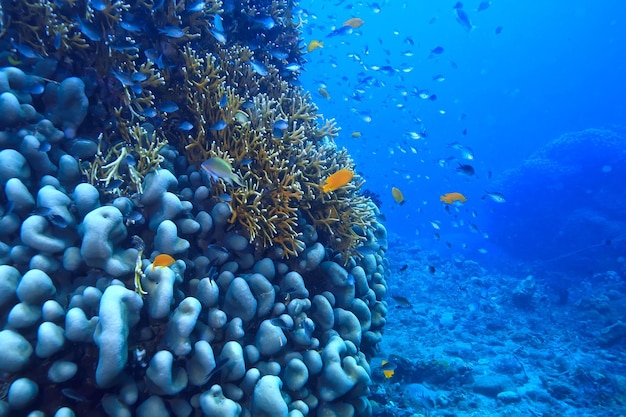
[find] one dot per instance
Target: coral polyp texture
(167, 246)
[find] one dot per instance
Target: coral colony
(167, 246)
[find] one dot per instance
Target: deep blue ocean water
(554, 68)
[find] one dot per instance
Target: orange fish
(338, 179)
(398, 197)
(452, 198)
(354, 23)
(163, 260)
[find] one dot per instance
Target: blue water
(555, 68)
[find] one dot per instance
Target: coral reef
(272, 303)
(580, 239)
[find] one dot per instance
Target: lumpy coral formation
(581, 238)
(107, 112)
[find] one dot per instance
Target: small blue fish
(57, 41)
(185, 126)
(172, 31)
(168, 106)
(266, 22)
(494, 196)
(219, 36)
(114, 185)
(246, 162)
(149, 112)
(123, 77)
(387, 70)
(259, 68)
(279, 128)
(225, 197)
(90, 30)
(123, 46)
(36, 88)
(223, 101)
(437, 51)
(130, 160)
(219, 125)
(139, 77)
(463, 19)
(197, 6)
(98, 5)
(279, 53)
(152, 54)
(137, 88)
(44, 146)
(281, 124)
(292, 66)
(26, 50)
(130, 26)
(218, 23)
(484, 5)
(344, 30)
(135, 216)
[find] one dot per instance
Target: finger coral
(160, 163)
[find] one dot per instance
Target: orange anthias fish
(354, 23)
(163, 260)
(398, 197)
(337, 180)
(452, 198)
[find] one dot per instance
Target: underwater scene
(280, 208)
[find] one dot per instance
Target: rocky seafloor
(477, 342)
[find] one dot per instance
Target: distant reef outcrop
(566, 206)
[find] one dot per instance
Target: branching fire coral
(281, 149)
(122, 168)
(174, 73)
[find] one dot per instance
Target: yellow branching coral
(210, 96)
(122, 168)
(280, 148)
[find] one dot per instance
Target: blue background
(556, 67)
